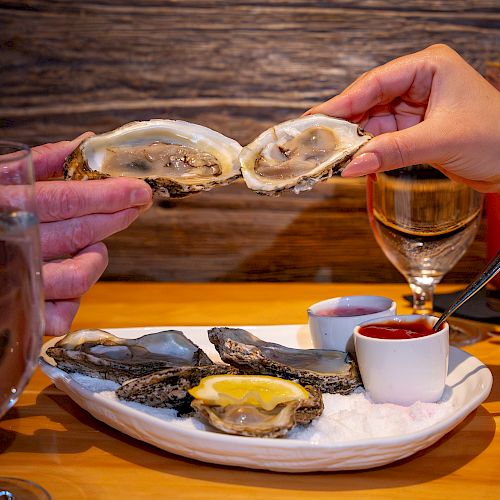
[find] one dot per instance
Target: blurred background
(238, 67)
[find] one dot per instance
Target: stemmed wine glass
(21, 302)
(424, 222)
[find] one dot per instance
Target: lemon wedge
(258, 390)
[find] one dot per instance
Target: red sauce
(397, 330)
(349, 311)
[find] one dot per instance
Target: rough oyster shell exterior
(169, 388)
(252, 355)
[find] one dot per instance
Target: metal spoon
(489, 272)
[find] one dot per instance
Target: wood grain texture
(234, 234)
(237, 67)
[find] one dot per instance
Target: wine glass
(424, 222)
(21, 301)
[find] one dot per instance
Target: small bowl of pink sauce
(332, 321)
(401, 359)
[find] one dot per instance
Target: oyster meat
(100, 354)
(169, 388)
(174, 157)
(298, 153)
(328, 370)
(251, 420)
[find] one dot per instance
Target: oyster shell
(328, 370)
(100, 354)
(298, 153)
(169, 388)
(250, 420)
(174, 157)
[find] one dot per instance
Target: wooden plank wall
(237, 67)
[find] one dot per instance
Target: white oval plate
(469, 382)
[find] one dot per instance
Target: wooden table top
(49, 439)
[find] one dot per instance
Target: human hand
(428, 107)
(74, 219)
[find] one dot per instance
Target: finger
(69, 236)
(71, 278)
(48, 159)
(422, 143)
(61, 200)
(418, 144)
(410, 75)
(59, 315)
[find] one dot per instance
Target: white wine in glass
(424, 222)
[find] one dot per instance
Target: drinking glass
(424, 222)
(21, 302)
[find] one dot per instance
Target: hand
(74, 217)
(428, 107)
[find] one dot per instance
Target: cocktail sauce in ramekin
(401, 359)
(397, 330)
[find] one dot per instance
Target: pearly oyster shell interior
(296, 154)
(100, 354)
(177, 158)
(174, 157)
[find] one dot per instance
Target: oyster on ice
(100, 354)
(256, 421)
(328, 370)
(174, 157)
(298, 153)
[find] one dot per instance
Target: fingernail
(140, 196)
(367, 163)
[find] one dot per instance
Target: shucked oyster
(246, 419)
(298, 153)
(174, 157)
(328, 370)
(100, 354)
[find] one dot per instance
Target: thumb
(48, 159)
(395, 150)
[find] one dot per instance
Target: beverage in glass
(424, 222)
(21, 301)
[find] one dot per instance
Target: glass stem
(423, 296)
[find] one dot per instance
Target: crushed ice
(345, 418)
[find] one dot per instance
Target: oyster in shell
(328, 370)
(174, 157)
(169, 388)
(251, 420)
(100, 354)
(298, 153)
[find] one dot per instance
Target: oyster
(251, 420)
(174, 157)
(169, 388)
(328, 370)
(298, 153)
(100, 354)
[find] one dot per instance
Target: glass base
(460, 337)
(14, 488)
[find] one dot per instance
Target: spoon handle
(489, 272)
